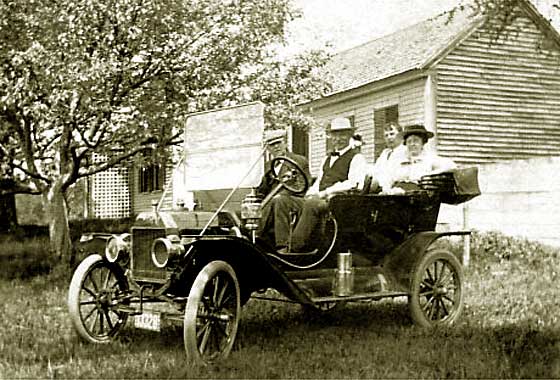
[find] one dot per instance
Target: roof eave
(458, 39)
(377, 85)
(545, 25)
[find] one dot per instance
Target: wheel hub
(440, 291)
(217, 315)
(104, 298)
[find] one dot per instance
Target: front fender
(253, 268)
(401, 263)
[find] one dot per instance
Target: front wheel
(436, 294)
(95, 293)
(212, 314)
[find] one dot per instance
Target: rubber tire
(190, 326)
(453, 266)
(75, 301)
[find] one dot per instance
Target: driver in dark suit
(277, 215)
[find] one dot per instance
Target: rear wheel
(212, 314)
(436, 294)
(95, 293)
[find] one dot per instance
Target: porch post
(430, 110)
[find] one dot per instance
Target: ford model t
(199, 267)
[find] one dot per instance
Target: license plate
(148, 321)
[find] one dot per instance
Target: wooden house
(487, 96)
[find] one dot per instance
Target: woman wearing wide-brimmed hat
(418, 162)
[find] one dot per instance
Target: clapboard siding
(410, 100)
(499, 99)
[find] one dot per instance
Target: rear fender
(403, 259)
(253, 268)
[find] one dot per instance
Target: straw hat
(340, 123)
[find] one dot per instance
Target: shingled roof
(412, 48)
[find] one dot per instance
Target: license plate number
(148, 321)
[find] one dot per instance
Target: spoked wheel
(436, 295)
(212, 314)
(95, 293)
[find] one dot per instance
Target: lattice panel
(110, 193)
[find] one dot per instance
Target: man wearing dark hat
(277, 214)
(406, 172)
(343, 169)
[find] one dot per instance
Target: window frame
(151, 178)
(382, 117)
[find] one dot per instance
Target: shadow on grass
(374, 340)
(360, 341)
(279, 320)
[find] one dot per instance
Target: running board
(360, 297)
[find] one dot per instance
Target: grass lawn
(510, 329)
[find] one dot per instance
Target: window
(381, 117)
(300, 142)
(152, 177)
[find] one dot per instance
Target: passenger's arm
(314, 189)
(442, 164)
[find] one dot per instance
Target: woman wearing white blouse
(406, 172)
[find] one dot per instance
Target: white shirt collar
(346, 149)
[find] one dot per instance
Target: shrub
(79, 227)
(496, 247)
(24, 258)
(24, 252)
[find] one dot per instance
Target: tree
(504, 12)
(113, 77)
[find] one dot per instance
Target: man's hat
(417, 129)
(340, 123)
(273, 136)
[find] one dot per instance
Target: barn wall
(519, 198)
(410, 100)
(499, 99)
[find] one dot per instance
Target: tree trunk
(8, 216)
(59, 232)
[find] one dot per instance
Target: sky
(343, 24)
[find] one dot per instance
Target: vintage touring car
(198, 268)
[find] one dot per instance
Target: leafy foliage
(503, 14)
(496, 247)
(24, 259)
(111, 78)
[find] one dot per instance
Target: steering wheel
(290, 175)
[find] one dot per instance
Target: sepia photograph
(280, 189)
